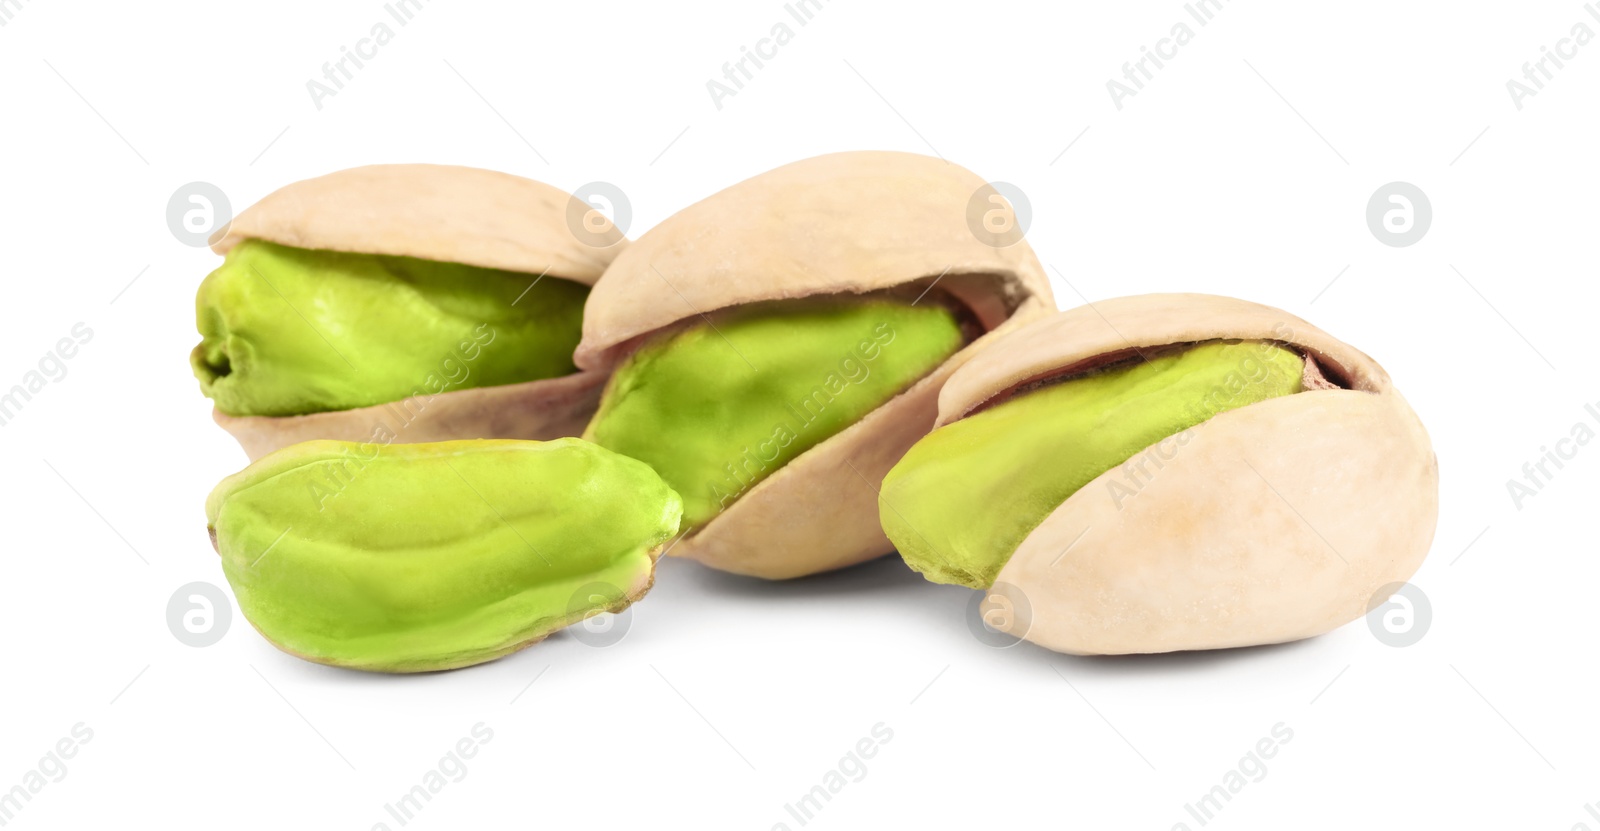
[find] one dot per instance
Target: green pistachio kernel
(416, 557)
(964, 497)
(720, 405)
(291, 331)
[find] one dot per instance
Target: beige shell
(842, 223)
(448, 214)
(536, 410)
(1269, 523)
(433, 212)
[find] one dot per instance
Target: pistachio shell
(429, 211)
(1023, 457)
(820, 512)
(448, 214)
(715, 408)
(1072, 337)
(536, 411)
(842, 223)
(845, 222)
(420, 557)
(1274, 522)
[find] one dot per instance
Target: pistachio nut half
(418, 557)
(777, 346)
(1167, 472)
(399, 303)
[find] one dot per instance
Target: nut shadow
(687, 594)
(1167, 663)
(940, 610)
(885, 576)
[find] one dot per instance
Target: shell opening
(718, 404)
(1048, 439)
(1319, 373)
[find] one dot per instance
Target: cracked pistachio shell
(846, 223)
(688, 403)
(418, 557)
(1276, 521)
(1030, 452)
(446, 214)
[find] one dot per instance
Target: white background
(729, 698)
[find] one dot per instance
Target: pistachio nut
(730, 425)
(1167, 472)
(399, 303)
(418, 557)
(777, 346)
